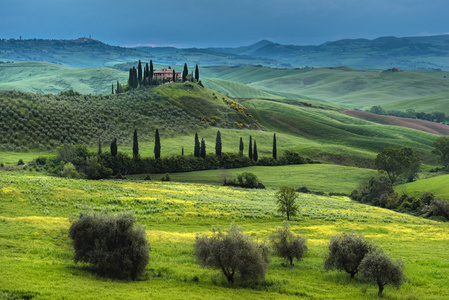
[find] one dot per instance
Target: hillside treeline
(436, 116)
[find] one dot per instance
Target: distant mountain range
(408, 53)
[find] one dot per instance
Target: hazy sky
(203, 23)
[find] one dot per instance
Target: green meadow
(37, 258)
(437, 185)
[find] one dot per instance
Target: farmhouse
(166, 74)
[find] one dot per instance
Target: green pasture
(437, 185)
(37, 258)
(437, 102)
(316, 177)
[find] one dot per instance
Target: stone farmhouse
(166, 74)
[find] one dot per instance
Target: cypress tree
(151, 72)
(135, 146)
(174, 75)
(203, 149)
(275, 152)
(185, 72)
(218, 144)
(197, 73)
(135, 81)
(112, 89)
(255, 155)
(117, 90)
(114, 147)
(182, 151)
(241, 147)
(99, 145)
(197, 150)
(139, 73)
(157, 145)
(250, 150)
(130, 79)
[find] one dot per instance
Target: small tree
(185, 72)
(197, 73)
(114, 147)
(346, 251)
(241, 147)
(379, 267)
(275, 152)
(441, 148)
(203, 149)
(197, 149)
(135, 146)
(288, 245)
(150, 76)
(286, 197)
(115, 246)
(255, 154)
(218, 144)
(247, 180)
(233, 253)
(250, 149)
(396, 162)
(157, 144)
(139, 73)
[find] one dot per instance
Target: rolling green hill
(44, 78)
(437, 185)
(236, 90)
(437, 102)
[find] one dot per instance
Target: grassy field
(37, 259)
(321, 177)
(436, 185)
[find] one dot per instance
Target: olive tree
(233, 253)
(115, 246)
(287, 244)
(286, 197)
(346, 251)
(379, 267)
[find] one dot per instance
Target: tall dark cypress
(255, 155)
(241, 147)
(117, 90)
(182, 151)
(203, 149)
(147, 74)
(157, 145)
(185, 72)
(196, 151)
(218, 144)
(135, 146)
(139, 73)
(114, 147)
(112, 89)
(197, 73)
(151, 72)
(250, 150)
(135, 80)
(275, 151)
(99, 145)
(131, 78)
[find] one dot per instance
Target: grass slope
(44, 78)
(37, 258)
(438, 102)
(236, 90)
(436, 185)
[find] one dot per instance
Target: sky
(224, 23)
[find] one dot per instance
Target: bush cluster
(115, 246)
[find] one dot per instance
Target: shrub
(20, 162)
(232, 252)
(379, 267)
(247, 180)
(438, 208)
(286, 197)
(69, 171)
(165, 177)
(375, 191)
(115, 246)
(346, 251)
(288, 245)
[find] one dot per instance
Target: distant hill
(408, 53)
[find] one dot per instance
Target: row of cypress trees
(199, 149)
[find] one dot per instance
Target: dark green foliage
(377, 266)
(185, 72)
(255, 154)
(288, 245)
(99, 146)
(94, 169)
(247, 180)
(114, 147)
(398, 162)
(157, 145)
(286, 201)
(139, 73)
(151, 72)
(241, 146)
(250, 149)
(166, 177)
(439, 208)
(112, 89)
(135, 146)
(346, 251)
(218, 145)
(197, 74)
(233, 253)
(203, 149)
(20, 162)
(275, 155)
(375, 191)
(197, 149)
(115, 246)
(441, 148)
